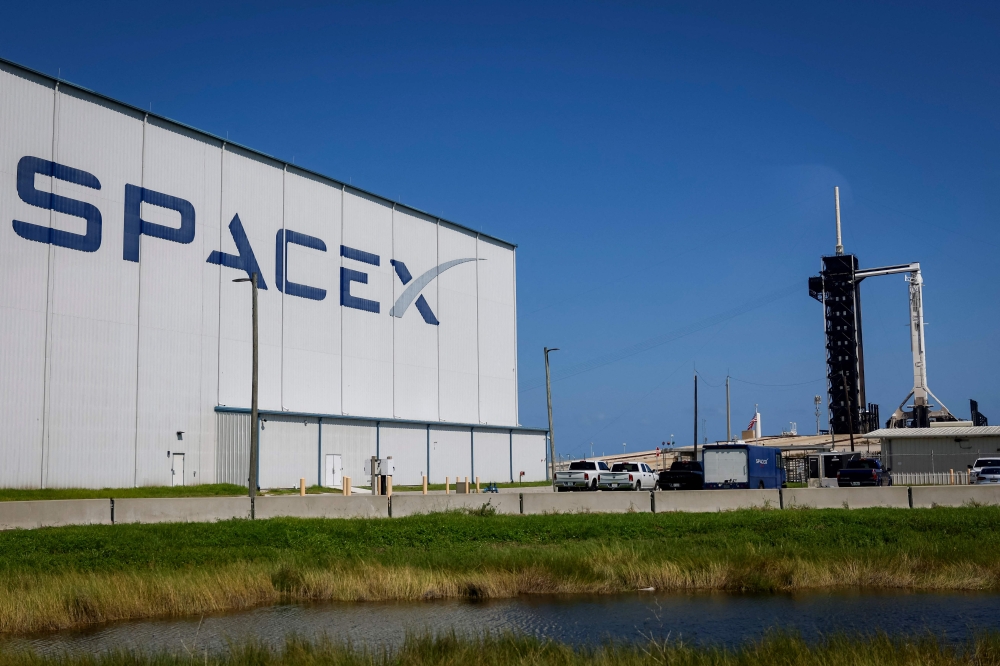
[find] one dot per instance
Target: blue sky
(666, 169)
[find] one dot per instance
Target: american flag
(753, 422)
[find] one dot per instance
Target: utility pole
(253, 395)
(729, 428)
(696, 416)
(850, 412)
(840, 244)
(552, 434)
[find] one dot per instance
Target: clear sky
(666, 169)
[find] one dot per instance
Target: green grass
(59, 577)
(510, 650)
(204, 490)
(310, 490)
(472, 484)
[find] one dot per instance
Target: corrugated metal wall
(106, 357)
(491, 455)
(295, 446)
(289, 451)
(178, 319)
(458, 383)
(367, 336)
(232, 459)
(529, 456)
(497, 351)
(415, 343)
(24, 269)
(938, 454)
(407, 444)
(311, 329)
(355, 442)
(93, 305)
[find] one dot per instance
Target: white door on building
(177, 469)
(334, 477)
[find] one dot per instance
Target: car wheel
(760, 485)
(593, 486)
(638, 486)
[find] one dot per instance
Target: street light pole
(253, 396)
(729, 426)
(548, 397)
(696, 416)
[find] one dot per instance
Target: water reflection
(703, 618)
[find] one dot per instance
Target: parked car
(981, 463)
(742, 466)
(582, 475)
(863, 472)
(988, 475)
(628, 476)
(683, 475)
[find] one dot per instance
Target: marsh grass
(507, 650)
(204, 490)
(472, 484)
(57, 578)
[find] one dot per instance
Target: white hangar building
(125, 345)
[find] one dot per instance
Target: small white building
(936, 450)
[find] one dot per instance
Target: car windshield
(860, 464)
(625, 467)
(991, 470)
(987, 462)
(582, 466)
(685, 466)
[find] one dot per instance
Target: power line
(624, 276)
(656, 388)
(811, 381)
(676, 334)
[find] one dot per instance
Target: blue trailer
(742, 466)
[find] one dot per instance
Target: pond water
(714, 618)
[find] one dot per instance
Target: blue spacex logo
(244, 259)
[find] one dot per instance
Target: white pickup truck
(628, 476)
(582, 475)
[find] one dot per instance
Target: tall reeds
(511, 650)
(69, 577)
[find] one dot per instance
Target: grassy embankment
(61, 577)
(507, 650)
(205, 490)
(472, 484)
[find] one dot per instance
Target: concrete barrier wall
(54, 513)
(322, 506)
(926, 497)
(586, 502)
(181, 509)
(851, 498)
(704, 501)
(409, 504)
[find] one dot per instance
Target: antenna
(836, 197)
